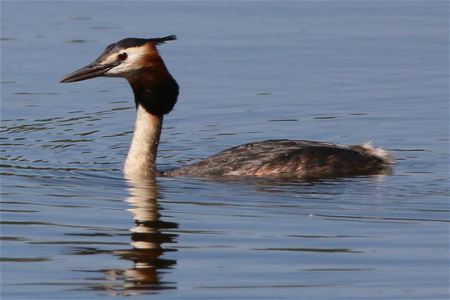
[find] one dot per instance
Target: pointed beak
(90, 71)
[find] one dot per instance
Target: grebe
(155, 94)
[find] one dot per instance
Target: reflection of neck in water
(147, 238)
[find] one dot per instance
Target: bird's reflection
(147, 251)
(147, 238)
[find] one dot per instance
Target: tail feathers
(380, 153)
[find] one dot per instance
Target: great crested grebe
(155, 94)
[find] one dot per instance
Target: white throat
(141, 159)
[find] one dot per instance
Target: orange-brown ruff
(156, 92)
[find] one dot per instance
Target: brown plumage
(290, 158)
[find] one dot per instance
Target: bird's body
(289, 158)
(156, 92)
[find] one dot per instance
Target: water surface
(344, 72)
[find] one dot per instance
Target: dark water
(345, 72)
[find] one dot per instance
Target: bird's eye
(122, 56)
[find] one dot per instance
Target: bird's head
(126, 58)
(138, 61)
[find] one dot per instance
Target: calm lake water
(344, 72)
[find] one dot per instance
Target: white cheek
(117, 71)
(130, 65)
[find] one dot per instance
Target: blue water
(344, 72)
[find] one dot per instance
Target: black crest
(137, 42)
(133, 42)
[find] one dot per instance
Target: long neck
(141, 159)
(155, 94)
